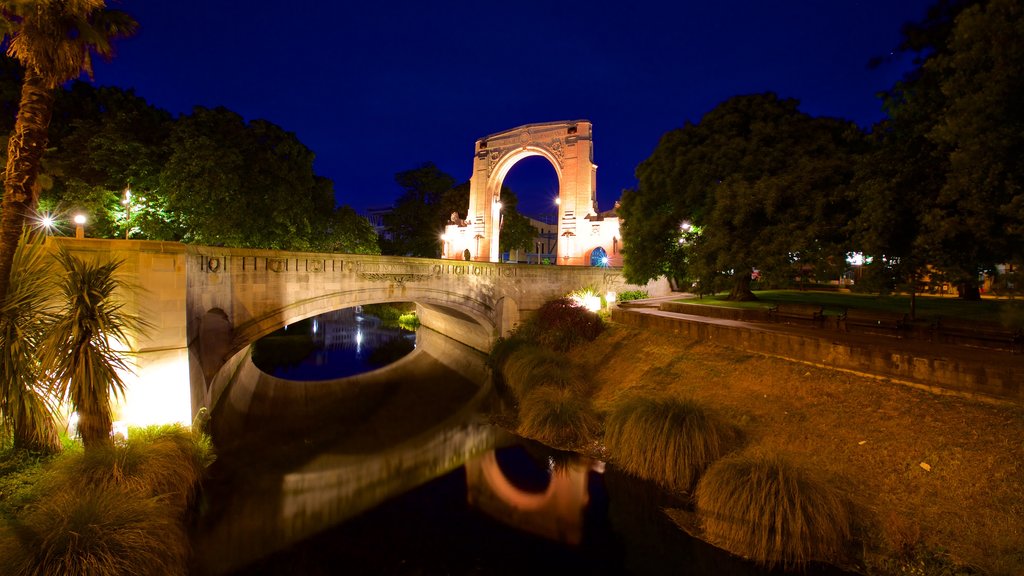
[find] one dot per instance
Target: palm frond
(80, 354)
(26, 407)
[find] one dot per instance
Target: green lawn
(1010, 312)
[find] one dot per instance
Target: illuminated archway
(567, 145)
(599, 257)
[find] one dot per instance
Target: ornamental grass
(528, 368)
(96, 531)
(670, 441)
(764, 508)
(557, 417)
(157, 461)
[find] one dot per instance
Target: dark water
(453, 496)
(332, 345)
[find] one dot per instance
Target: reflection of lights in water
(315, 327)
(359, 342)
(551, 464)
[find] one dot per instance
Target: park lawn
(872, 438)
(1009, 312)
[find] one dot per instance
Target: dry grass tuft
(765, 508)
(557, 417)
(531, 367)
(96, 532)
(158, 461)
(670, 441)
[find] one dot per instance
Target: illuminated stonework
(568, 146)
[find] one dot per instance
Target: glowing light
(80, 219)
(316, 326)
(604, 260)
(610, 297)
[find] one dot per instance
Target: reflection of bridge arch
(556, 513)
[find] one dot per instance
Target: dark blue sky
(374, 88)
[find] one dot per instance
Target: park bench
(786, 311)
(873, 321)
(984, 334)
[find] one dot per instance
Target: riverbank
(932, 479)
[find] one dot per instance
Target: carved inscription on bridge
(399, 273)
(470, 269)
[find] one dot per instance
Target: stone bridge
(208, 305)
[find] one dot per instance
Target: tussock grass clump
(667, 440)
(530, 367)
(96, 531)
(765, 508)
(558, 417)
(157, 461)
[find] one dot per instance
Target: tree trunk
(94, 426)
(968, 290)
(24, 153)
(741, 289)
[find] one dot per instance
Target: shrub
(530, 367)
(629, 295)
(669, 441)
(557, 416)
(96, 531)
(766, 509)
(563, 324)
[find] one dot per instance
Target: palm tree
(54, 40)
(79, 352)
(26, 409)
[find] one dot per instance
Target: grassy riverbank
(933, 482)
(116, 509)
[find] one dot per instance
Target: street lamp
(79, 226)
(128, 211)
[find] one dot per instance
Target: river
(404, 474)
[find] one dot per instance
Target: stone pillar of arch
(569, 147)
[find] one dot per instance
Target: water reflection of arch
(556, 513)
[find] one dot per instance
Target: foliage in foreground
(669, 441)
(765, 508)
(561, 324)
(530, 367)
(79, 352)
(26, 407)
(115, 509)
(557, 417)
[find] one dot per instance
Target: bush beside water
(557, 416)
(117, 509)
(765, 508)
(669, 441)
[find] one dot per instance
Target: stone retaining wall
(959, 376)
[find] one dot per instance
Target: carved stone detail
(277, 265)
(395, 278)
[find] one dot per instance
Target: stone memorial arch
(568, 146)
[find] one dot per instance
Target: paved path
(918, 347)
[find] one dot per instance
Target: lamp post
(128, 211)
(79, 226)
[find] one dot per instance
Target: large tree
(978, 218)
(247, 184)
(755, 184)
(54, 40)
(418, 219)
(105, 142)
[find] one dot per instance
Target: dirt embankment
(923, 471)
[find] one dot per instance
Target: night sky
(374, 88)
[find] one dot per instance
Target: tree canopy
(756, 184)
